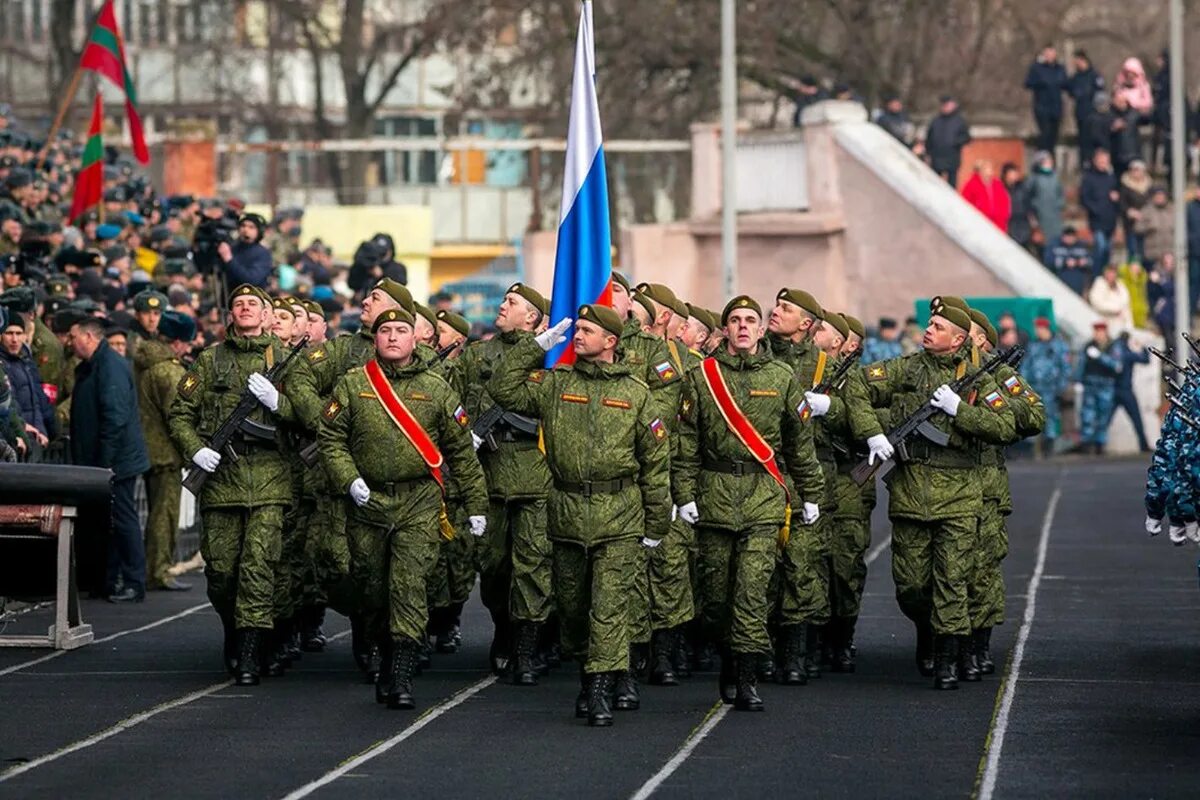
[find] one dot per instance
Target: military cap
(534, 297)
(177, 326)
(246, 290)
(645, 302)
(955, 316)
(980, 319)
(398, 292)
(134, 218)
(663, 295)
(704, 317)
(603, 316)
(57, 285)
(1042, 322)
(426, 312)
(741, 301)
(117, 194)
(53, 305)
(838, 323)
(456, 321)
(803, 299)
(313, 307)
(621, 279)
(115, 326)
(283, 304)
(948, 300)
(149, 300)
(19, 299)
(114, 253)
(64, 318)
(856, 326)
(392, 315)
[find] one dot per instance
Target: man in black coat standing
(106, 432)
(947, 135)
(1083, 87)
(1047, 80)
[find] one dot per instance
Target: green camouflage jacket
(160, 374)
(1030, 417)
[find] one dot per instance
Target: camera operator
(246, 260)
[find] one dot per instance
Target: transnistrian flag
(89, 181)
(583, 258)
(105, 54)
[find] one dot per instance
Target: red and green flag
(89, 181)
(105, 54)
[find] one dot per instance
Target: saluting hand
(551, 337)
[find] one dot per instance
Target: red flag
(89, 182)
(105, 54)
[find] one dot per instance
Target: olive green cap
(246, 290)
(150, 300)
(621, 279)
(645, 302)
(662, 294)
(391, 315)
(534, 297)
(704, 316)
(741, 301)
(398, 292)
(426, 312)
(283, 304)
(980, 319)
(803, 299)
(955, 316)
(456, 321)
(856, 326)
(838, 323)
(948, 300)
(603, 316)
(313, 307)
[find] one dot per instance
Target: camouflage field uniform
(160, 374)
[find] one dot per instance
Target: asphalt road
(1098, 696)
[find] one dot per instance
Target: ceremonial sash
(412, 430)
(819, 372)
(747, 434)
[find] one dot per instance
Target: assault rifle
(1162, 356)
(239, 422)
(484, 427)
(919, 422)
(835, 380)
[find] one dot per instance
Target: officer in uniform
(1099, 368)
(161, 373)
(514, 559)
(936, 497)
(148, 307)
(607, 448)
(1047, 369)
(242, 505)
(376, 458)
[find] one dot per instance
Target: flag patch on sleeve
(665, 370)
(994, 400)
(460, 416)
(658, 429)
(804, 410)
(1013, 385)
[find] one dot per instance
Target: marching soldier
(607, 448)
(242, 505)
(384, 435)
(740, 409)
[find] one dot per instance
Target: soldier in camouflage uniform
(607, 448)
(936, 496)
(148, 307)
(393, 528)
(160, 373)
(1047, 368)
(514, 559)
(243, 504)
(738, 508)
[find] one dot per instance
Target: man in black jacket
(106, 432)
(948, 133)
(1047, 80)
(1098, 195)
(247, 260)
(1083, 87)
(41, 425)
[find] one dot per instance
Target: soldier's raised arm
(517, 383)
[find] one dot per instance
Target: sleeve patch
(460, 416)
(994, 401)
(804, 410)
(317, 354)
(537, 376)
(331, 411)
(614, 403)
(876, 372)
(188, 384)
(658, 429)
(665, 371)
(1031, 398)
(1013, 385)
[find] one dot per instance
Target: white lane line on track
(109, 638)
(123, 725)
(987, 785)
(380, 748)
(714, 717)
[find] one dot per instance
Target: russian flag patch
(665, 370)
(460, 416)
(994, 400)
(1013, 385)
(658, 429)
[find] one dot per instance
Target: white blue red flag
(583, 258)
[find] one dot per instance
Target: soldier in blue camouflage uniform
(883, 344)
(1047, 368)
(1172, 477)
(1099, 369)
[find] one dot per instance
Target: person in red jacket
(988, 194)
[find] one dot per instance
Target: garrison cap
(948, 300)
(603, 316)
(392, 315)
(741, 301)
(456, 321)
(838, 323)
(398, 292)
(177, 326)
(803, 299)
(533, 296)
(426, 312)
(283, 304)
(703, 316)
(645, 302)
(856, 326)
(621, 279)
(980, 319)
(662, 294)
(313, 307)
(149, 300)
(19, 299)
(246, 290)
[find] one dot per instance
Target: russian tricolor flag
(583, 258)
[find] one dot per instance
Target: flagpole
(72, 89)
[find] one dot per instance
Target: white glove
(651, 543)
(689, 512)
(881, 449)
(946, 400)
(811, 513)
(819, 403)
(207, 459)
(264, 390)
(476, 440)
(360, 493)
(1192, 531)
(1093, 352)
(1153, 526)
(551, 337)
(478, 525)
(1175, 532)
(674, 513)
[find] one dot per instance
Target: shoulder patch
(695, 352)
(804, 411)
(460, 416)
(994, 400)
(1031, 398)
(665, 371)
(331, 411)
(876, 372)
(614, 403)
(317, 354)
(537, 376)
(188, 384)
(658, 429)
(1013, 385)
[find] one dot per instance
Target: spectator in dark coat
(1071, 260)
(391, 267)
(1097, 131)
(106, 432)
(1160, 295)
(247, 260)
(1019, 226)
(1099, 196)
(1136, 185)
(315, 262)
(25, 384)
(1083, 87)
(1047, 80)
(947, 135)
(809, 93)
(1126, 141)
(894, 119)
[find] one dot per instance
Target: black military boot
(727, 679)
(312, 636)
(747, 698)
(812, 650)
(443, 623)
(282, 637)
(295, 653)
(791, 655)
(272, 648)
(550, 643)
(360, 643)
(581, 700)
(705, 656)
(374, 662)
(249, 653)
(627, 696)
(424, 655)
(524, 672)
(230, 645)
(983, 651)
(945, 662)
(639, 657)
(968, 662)
(498, 652)
(842, 635)
(682, 655)
(662, 671)
(925, 651)
(599, 710)
(766, 666)
(404, 661)
(383, 680)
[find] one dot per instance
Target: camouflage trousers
(389, 569)
(850, 538)
(163, 487)
(985, 593)
(801, 586)
(453, 575)
(1096, 412)
(514, 559)
(593, 587)
(328, 555)
(663, 597)
(931, 567)
(734, 572)
(241, 548)
(293, 568)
